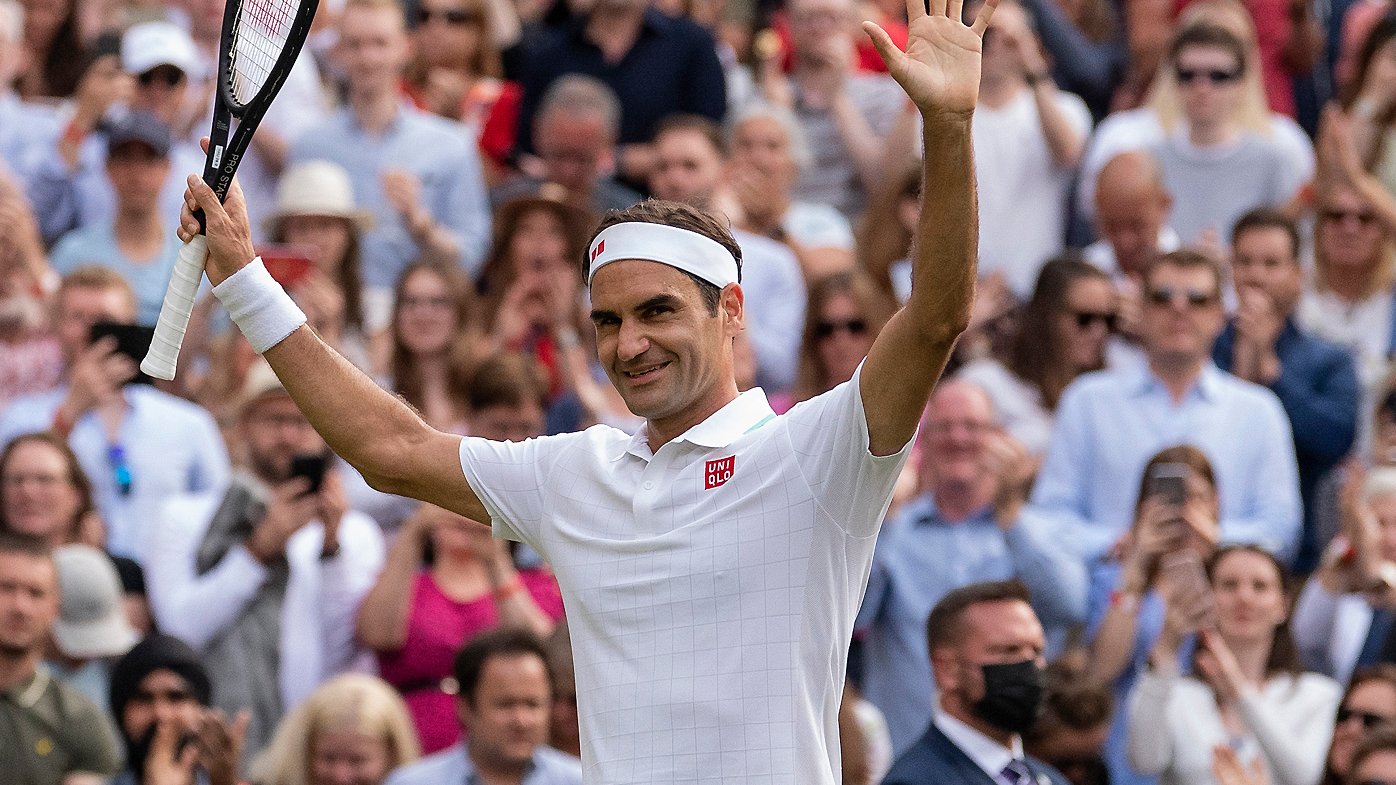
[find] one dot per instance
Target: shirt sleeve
(508, 478)
(1323, 409)
(1057, 580)
(1060, 492)
(1270, 514)
(1149, 738)
(466, 210)
(1294, 735)
(1315, 615)
(829, 434)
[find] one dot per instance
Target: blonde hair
(1254, 112)
(1384, 269)
(355, 700)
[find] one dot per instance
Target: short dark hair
(697, 123)
(24, 545)
(507, 379)
(1268, 218)
(1208, 35)
(504, 642)
(1186, 258)
(682, 216)
(943, 625)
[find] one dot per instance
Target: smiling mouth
(644, 374)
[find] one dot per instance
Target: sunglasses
(1165, 295)
(169, 77)
(1084, 319)
(120, 469)
(457, 17)
(1363, 217)
(828, 328)
(1369, 721)
(1215, 76)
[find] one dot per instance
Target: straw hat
(317, 188)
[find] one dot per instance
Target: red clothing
(868, 58)
(1272, 29)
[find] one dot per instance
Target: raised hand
(940, 68)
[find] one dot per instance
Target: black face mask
(1012, 695)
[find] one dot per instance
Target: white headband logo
(679, 248)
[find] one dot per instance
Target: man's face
(507, 719)
(991, 633)
(275, 432)
(162, 696)
(28, 602)
(1348, 232)
(958, 420)
(1263, 259)
(813, 23)
(574, 148)
(1182, 313)
(1000, 59)
(137, 174)
(79, 308)
(1209, 79)
(660, 347)
(1129, 219)
(161, 91)
(372, 47)
(507, 423)
(762, 143)
(688, 170)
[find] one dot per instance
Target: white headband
(680, 248)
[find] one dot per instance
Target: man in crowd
(967, 526)
(49, 732)
(986, 647)
(419, 174)
(503, 705)
(137, 445)
(1131, 217)
(264, 576)
(1315, 381)
(1110, 423)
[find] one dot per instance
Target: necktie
(1016, 773)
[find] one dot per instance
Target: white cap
(91, 622)
(152, 44)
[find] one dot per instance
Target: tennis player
(712, 564)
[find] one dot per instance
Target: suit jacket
(935, 760)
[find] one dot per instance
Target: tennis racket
(261, 40)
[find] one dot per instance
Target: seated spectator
(52, 732)
(1028, 141)
(1109, 423)
(1248, 690)
(137, 241)
(136, 444)
(574, 144)
(1315, 381)
(1061, 334)
(1074, 723)
(986, 648)
(435, 342)
(30, 358)
(44, 493)
(1369, 703)
(1215, 167)
(91, 629)
(1371, 98)
(1131, 218)
(503, 707)
(418, 174)
(1375, 758)
(353, 728)
(263, 575)
(845, 314)
(974, 479)
(159, 696)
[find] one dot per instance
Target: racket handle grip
(163, 356)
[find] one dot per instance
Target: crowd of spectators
(1163, 458)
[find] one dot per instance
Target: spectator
(1084, 42)
(30, 358)
(986, 648)
(28, 127)
(435, 342)
(44, 492)
(1314, 380)
(1370, 99)
(1370, 700)
(1061, 334)
(844, 316)
(503, 707)
(51, 730)
(417, 173)
(507, 399)
(160, 695)
(1074, 723)
(1248, 692)
(575, 131)
(884, 237)
(564, 733)
(1132, 206)
(689, 168)
(353, 728)
(1028, 141)
(53, 49)
(974, 479)
(656, 65)
(1375, 758)
(136, 241)
(91, 629)
(136, 444)
(1109, 423)
(1215, 167)
(261, 575)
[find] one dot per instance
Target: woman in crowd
(1061, 334)
(435, 342)
(445, 581)
(353, 728)
(1247, 690)
(54, 59)
(844, 314)
(1369, 703)
(1370, 100)
(44, 493)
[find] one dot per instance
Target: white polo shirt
(710, 587)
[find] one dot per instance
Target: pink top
(437, 626)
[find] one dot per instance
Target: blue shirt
(452, 766)
(921, 557)
(96, 244)
(167, 444)
(441, 153)
(1110, 423)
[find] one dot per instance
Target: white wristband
(264, 312)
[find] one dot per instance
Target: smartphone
(1184, 570)
(1168, 481)
(132, 340)
(311, 467)
(289, 265)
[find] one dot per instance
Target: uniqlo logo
(718, 472)
(595, 252)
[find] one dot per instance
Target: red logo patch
(595, 252)
(718, 472)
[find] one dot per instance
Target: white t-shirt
(710, 587)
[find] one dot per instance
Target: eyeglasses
(1084, 319)
(456, 17)
(169, 76)
(1216, 76)
(1369, 721)
(1167, 295)
(120, 469)
(41, 480)
(826, 329)
(1364, 217)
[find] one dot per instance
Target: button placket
(650, 486)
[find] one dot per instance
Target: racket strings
(258, 40)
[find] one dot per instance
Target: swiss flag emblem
(595, 252)
(718, 472)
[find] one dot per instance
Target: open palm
(940, 68)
